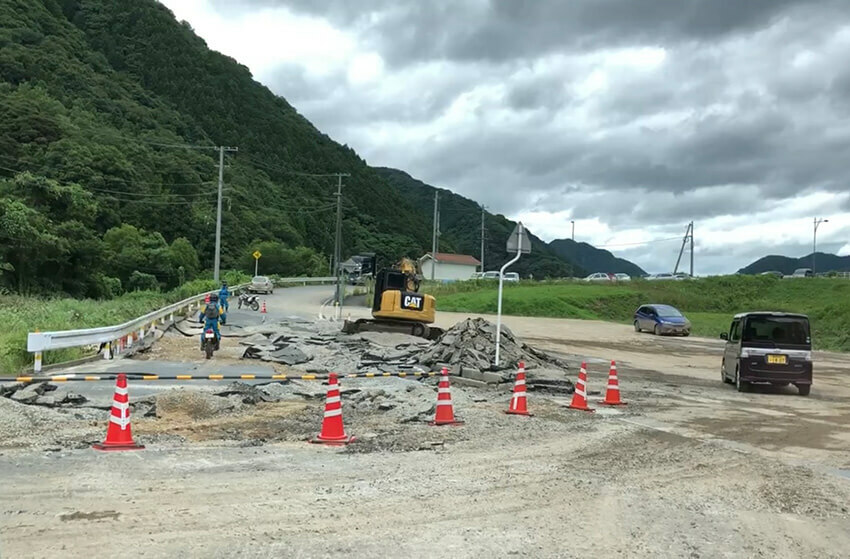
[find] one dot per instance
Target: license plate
(777, 359)
(209, 335)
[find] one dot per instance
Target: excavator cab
(398, 306)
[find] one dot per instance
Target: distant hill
(825, 263)
(460, 225)
(594, 259)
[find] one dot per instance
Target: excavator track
(417, 329)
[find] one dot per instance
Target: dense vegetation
(709, 303)
(109, 110)
(824, 262)
(594, 259)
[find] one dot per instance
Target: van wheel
(723, 376)
(804, 389)
(637, 326)
(740, 385)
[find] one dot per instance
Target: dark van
(769, 347)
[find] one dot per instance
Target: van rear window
(779, 330)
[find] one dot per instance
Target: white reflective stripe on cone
(445, 390)
(333, 399)
(581, 393)
(122, 422)
(122, 391)
(519, 394)
(519, 383)
(332, 413)
(121, 405)
(613, 387)
(444, 403)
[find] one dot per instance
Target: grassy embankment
(709, 303)
(20, 315)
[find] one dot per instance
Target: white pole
(256, 263)
(501, 281)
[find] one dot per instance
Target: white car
(598, 277)
(622, 277)
(511, 276)
(661, 276)
(490, 275)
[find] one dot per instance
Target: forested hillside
(460, 225)
(110, 112)
(775, 263)
(594, 259)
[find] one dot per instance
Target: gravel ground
(689, 468)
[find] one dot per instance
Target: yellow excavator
(398, 306)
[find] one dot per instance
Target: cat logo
(412, 302)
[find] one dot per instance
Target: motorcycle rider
(223, 295)
(210, 316)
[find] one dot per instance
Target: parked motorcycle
(249, 300)
(210, 343)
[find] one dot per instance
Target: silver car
(261, 284)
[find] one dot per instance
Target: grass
(20, 315)
(709, 303)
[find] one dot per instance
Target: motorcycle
(249, 300)
(210, 343)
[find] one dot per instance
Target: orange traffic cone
(445, 414)
(612, 395)
(518, 405)
(333, 432)
(580, 395)
(118, 434)
(263, 311)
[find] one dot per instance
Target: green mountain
(107, 111)
(594, 259)
(825, 263)
(460, 229)
(110, 114)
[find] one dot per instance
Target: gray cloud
(740, 104)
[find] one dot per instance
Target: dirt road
(690, 468)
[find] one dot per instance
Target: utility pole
(434, 233)
(817, 223)
(338, 241)
(217, 264)
(689, 236)
(573, 237)
(482, 239)
(692, 249)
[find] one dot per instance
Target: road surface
(689, 468)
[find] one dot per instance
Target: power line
(640, 243)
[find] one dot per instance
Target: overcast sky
(631, 117)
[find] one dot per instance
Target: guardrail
(113, 339)
(305, 281)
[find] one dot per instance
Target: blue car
(661, 319)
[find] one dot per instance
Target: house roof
(450, 258)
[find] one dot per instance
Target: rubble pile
(40, 394)
(469, 348)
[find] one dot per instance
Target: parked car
(801, 273)
(622, 277)
(599, 277)
(768, 347)
(261, 284)
(511, 276)
(773, 273)
(661, 319)
(477, 275)
(661, 276)
(681, 276)
(492, 275)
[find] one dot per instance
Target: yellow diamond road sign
(257, 254)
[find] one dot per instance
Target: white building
(448, 266)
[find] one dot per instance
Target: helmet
(214, 297)
(224, 283)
